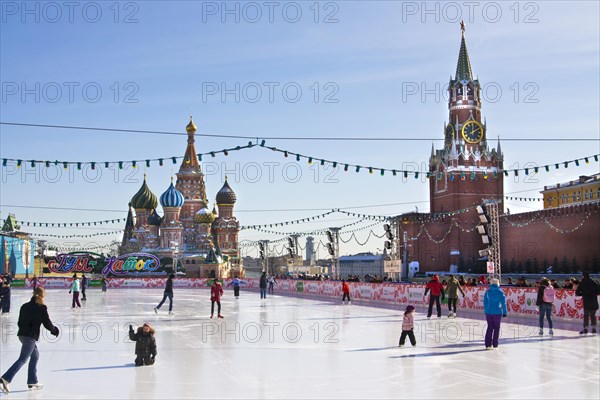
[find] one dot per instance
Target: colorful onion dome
(190, 128)
(144, 198)
(171, 197)
(204, 216)
(154, 218)
(226, 195)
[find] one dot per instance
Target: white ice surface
(286, 347)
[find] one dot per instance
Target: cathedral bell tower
(465, 171)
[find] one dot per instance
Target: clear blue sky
(163, 61)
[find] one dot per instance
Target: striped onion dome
(226, 195)
(204, 216)
(172, 197)
(144, 198)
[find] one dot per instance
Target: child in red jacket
(345, 291)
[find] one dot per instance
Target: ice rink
(287, 347)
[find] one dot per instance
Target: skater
(408, 325)
(216, 291)
(272, 283)
(236, 286)
(168, 293)
(84, 284)
(452, 289)
(263, 285)
(436, 290)
(34, 282)
(494, 307)
(545, 298)
(32, 315)
(5, 294)
(345, 291)
(75, 288)
(589, 291)
(103, 283)
(145, 344)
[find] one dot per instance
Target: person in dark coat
(5, 294)
(84, 284)
(545, 306)
(145, 344)
(263, 285)
(168, 293)
(32, 315)
(589, 291)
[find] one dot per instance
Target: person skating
(494, 307)
(408, 325)
(75, 289)
(84, 284)
(589, 291)
(145, 344)
(168, 293)
(216, 291)
(437, 290)
(235, 282)
(5, 294)
(345, 291)
(545, 299)
(272, 283)
(31, 316)
(34, 282)
(452, 289)
(103, 284)
(263, 285)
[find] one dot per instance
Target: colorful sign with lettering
(79, 261)
(131, 263)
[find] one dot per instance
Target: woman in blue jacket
(494, 307)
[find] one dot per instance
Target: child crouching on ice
(408, 325)
(145, 346)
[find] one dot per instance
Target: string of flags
(76, 236)
(71, 224)
(292, 222)
(462, 175)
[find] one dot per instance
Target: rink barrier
(518, 300)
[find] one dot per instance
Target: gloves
(69, 292)
(55, 331)
(504, 315)
(153, 357)
(130, 328)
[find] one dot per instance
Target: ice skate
(171, 313)
(35, 386)
(551, 332)
(219, 316)
(593, 330)
(155, 310)
(211, 316)
(4, 385)
(541, 332)
(583, 332)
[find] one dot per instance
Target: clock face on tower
(472, 132)
(449, 134)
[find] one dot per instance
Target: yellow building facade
(586, 189)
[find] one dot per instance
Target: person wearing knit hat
(494, 307)
(408, 325)
(145, 344)
(589, 290)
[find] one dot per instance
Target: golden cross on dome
(462, 26)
